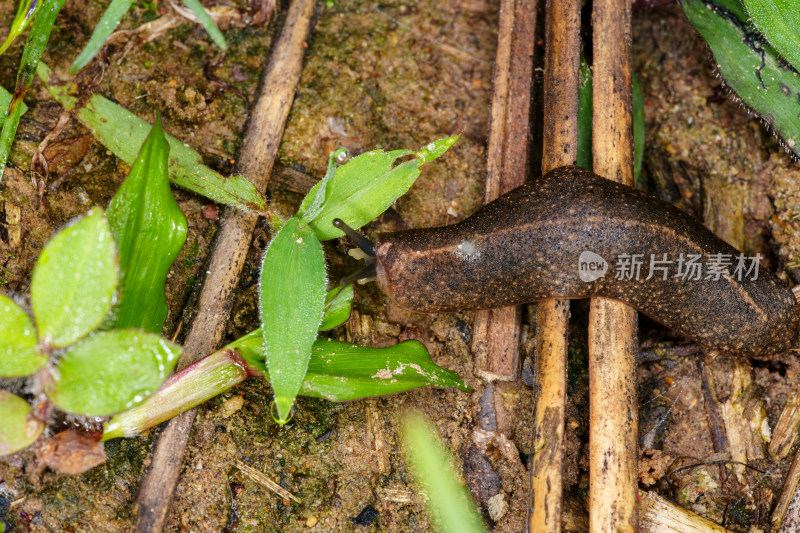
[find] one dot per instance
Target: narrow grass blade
(149, 229)
(292, 303)
(367, 185)
(207, 22)
(778, 21)
(111, 371)
(123, 133)
(750, 66)
(25, 12)
(37, 40)
(585, 116)
(74, 281)
(18, 427)
(18, 353)
(338, 304)
(108, 23)
(340, 371)
(448, 501)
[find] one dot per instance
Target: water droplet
(273, 410)
(343, 155)
(431, 146)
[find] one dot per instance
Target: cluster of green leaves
(755, 45)
(293, 279)
(79, 284)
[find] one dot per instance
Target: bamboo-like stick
(789, 493)
(613, 415)
(496, 331)
(263, 136)
(659, 515)
(560, 142)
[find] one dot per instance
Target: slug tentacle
(367, 273)
(572, 234)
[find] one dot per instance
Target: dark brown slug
(551, 238)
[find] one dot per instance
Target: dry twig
(613, 414)
(560, 140)
(496, 332)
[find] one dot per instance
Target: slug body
(527, 245)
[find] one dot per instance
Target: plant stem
(191, 386)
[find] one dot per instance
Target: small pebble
(366, 517)
(231, 405)
(311, 521)
(497, 507)
(210, 212)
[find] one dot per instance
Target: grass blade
(207, 22)
(750, 66)
(449, 503)
(123, 133)
(149, 229)
(25, 12)
(292, 305)
(340, 371)
(338, 304)
(34, 48)
(108, 23)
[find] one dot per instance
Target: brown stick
(613, 416)
(496, 331)
(789, 493)
(264, 133)
(560, 141)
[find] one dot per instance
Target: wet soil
(397, 75)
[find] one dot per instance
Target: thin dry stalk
(230, 250)
(785, 432)
(789, 495)
(613, 414)
(560, 139)
(659, 515)
(262, 479)
(496, 332)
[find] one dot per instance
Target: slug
(572, 234)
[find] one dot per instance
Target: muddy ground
(397, 75)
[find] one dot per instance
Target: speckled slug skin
(525, 247)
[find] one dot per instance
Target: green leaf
(207, 22)
(338, 302)
(585, 116)
(292, 302)
(74, 281)
(585, 107)
(340, 371)
(448, 501)
(18, 427)
(638, 129)
(18, 353)
(108, 23)
(37, 40)
(25, 12)
(111, 371)
(750, 66)
(149, 229)
(123, 133)
(312, 203)
(778, 21)
(367, 185)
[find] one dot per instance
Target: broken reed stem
(788, 494)
(659, 515)
(613, 413)
(263, 136)
(560, 142)
(496, 332)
